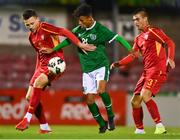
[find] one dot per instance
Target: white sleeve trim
(113, 38)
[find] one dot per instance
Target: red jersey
(47, 35)
(151, 44)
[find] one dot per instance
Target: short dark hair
(141, 11)
(29, 13)
(83, 10)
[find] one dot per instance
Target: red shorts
(44, 70)
(151, 81)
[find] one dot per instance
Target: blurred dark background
(17, 58)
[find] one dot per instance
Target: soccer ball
(56, 65)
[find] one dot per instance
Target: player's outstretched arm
(65, 32)
(77, 42)
(126, 60)
(63, 44)
(123, 42)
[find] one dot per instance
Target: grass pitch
(84, 132)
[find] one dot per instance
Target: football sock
(95, 112)
(28, 116)
(39, 113)
(35, 99)
(107, 102)
(159, 125)
(138, 117)
(153, 110)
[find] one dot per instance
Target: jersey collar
(91, 26)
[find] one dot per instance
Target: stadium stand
(16, 71)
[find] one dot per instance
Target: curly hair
(83, 10)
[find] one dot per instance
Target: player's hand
(115, 64)
(46, 50)
(170, 63)
(87, 47)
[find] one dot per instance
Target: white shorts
(91, 79)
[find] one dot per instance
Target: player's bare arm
(171, 63)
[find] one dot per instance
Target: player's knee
(135, 103)
(90, 100)
(40, 82)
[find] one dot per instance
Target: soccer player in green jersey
(95, 64)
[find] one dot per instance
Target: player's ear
(145, 18)
(90, 18)
(38, 18)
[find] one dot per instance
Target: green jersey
(98, 35)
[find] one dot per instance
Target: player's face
(32, 23)
(140, 22)
(85, 21)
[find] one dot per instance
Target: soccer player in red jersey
(43, 35)
(151, 44)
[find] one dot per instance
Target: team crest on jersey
(42, 37)
(146, 36)
(92, 36)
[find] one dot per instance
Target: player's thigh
(41, 81)
(34, 77)
(102, 76)
(154, 82)
(102, 86)
(139, 85)
(92, 80)
(90, 98)
(29, 93)
(89, 83)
